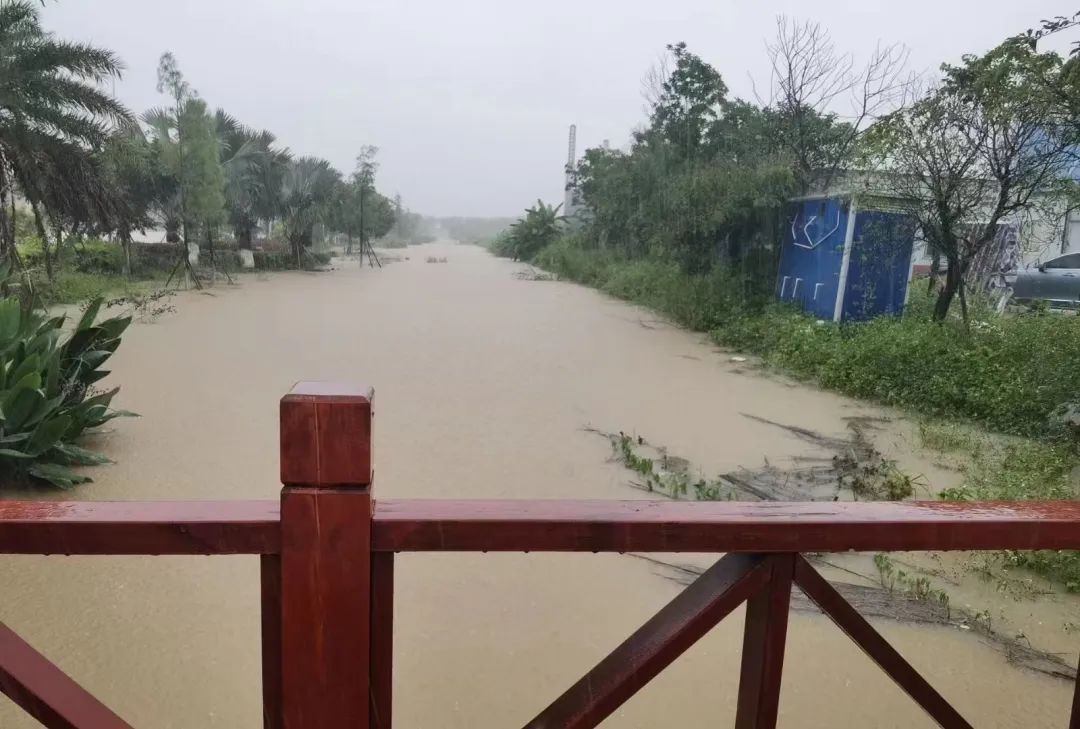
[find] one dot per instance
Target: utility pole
(397, 216)
(571, 160)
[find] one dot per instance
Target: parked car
(1056, 281)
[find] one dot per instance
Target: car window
(1070, 261)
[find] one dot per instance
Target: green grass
(1013, 469)
(73, 287)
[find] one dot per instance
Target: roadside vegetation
(686, 221)
(81, 177)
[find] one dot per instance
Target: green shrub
(318, 258)
(284, 260)
(97, 256)
(997, 469)
(566, 258)
(47, 399)
(1009, 374)
(74, 287)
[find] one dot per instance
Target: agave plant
(47, 399)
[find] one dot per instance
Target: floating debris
(534, 274)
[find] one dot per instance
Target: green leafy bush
(284, 260)
(47, 398)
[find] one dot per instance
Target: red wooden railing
(327, 565)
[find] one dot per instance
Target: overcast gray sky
(469, 101)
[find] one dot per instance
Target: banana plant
(47, 395)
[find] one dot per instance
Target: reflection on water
(484, 383)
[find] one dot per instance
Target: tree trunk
(948, 291)
(362, 236)
(297, 244)
(40, 225)
(935, 271)
(244, 239)
(963, 302)
(125, 242)
(7, 226)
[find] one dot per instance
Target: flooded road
(484, 383)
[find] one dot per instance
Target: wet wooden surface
(764, 640)
(326, 557)
(270, 598)
(382, 639)
(45, 692)
(139, 527)
(815, 587)
(666, 636)
(684, 526)
(326, 434)
(252, 527)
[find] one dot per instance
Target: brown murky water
(483, 385)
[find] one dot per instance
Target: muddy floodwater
(484, 384)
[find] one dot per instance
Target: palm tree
(253, 170)
(307, 193)
(164, 133)
(52, 117)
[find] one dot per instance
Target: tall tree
(307, 195)
(364, 180)
(201, 175)
(253, 168)
(52, 116)
(995, 140)
(187, 146)
(813, 84)
(133, 170)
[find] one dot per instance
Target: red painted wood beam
(252, 527)
(326, 557)
(45, 692)
(382, 639)
(139, 527)
(653, 647)
(270, 590)
(683, 526)
(764, 639)
(832, 603)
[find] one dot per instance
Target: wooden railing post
(764, 638)
(326, 511)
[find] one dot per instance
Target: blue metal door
(812, 253)
(879, 266)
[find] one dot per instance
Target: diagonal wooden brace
(656, 644)
(45, 692)
(848, 619)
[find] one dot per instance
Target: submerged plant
(47, 395)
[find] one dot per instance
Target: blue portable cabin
(846, 257)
